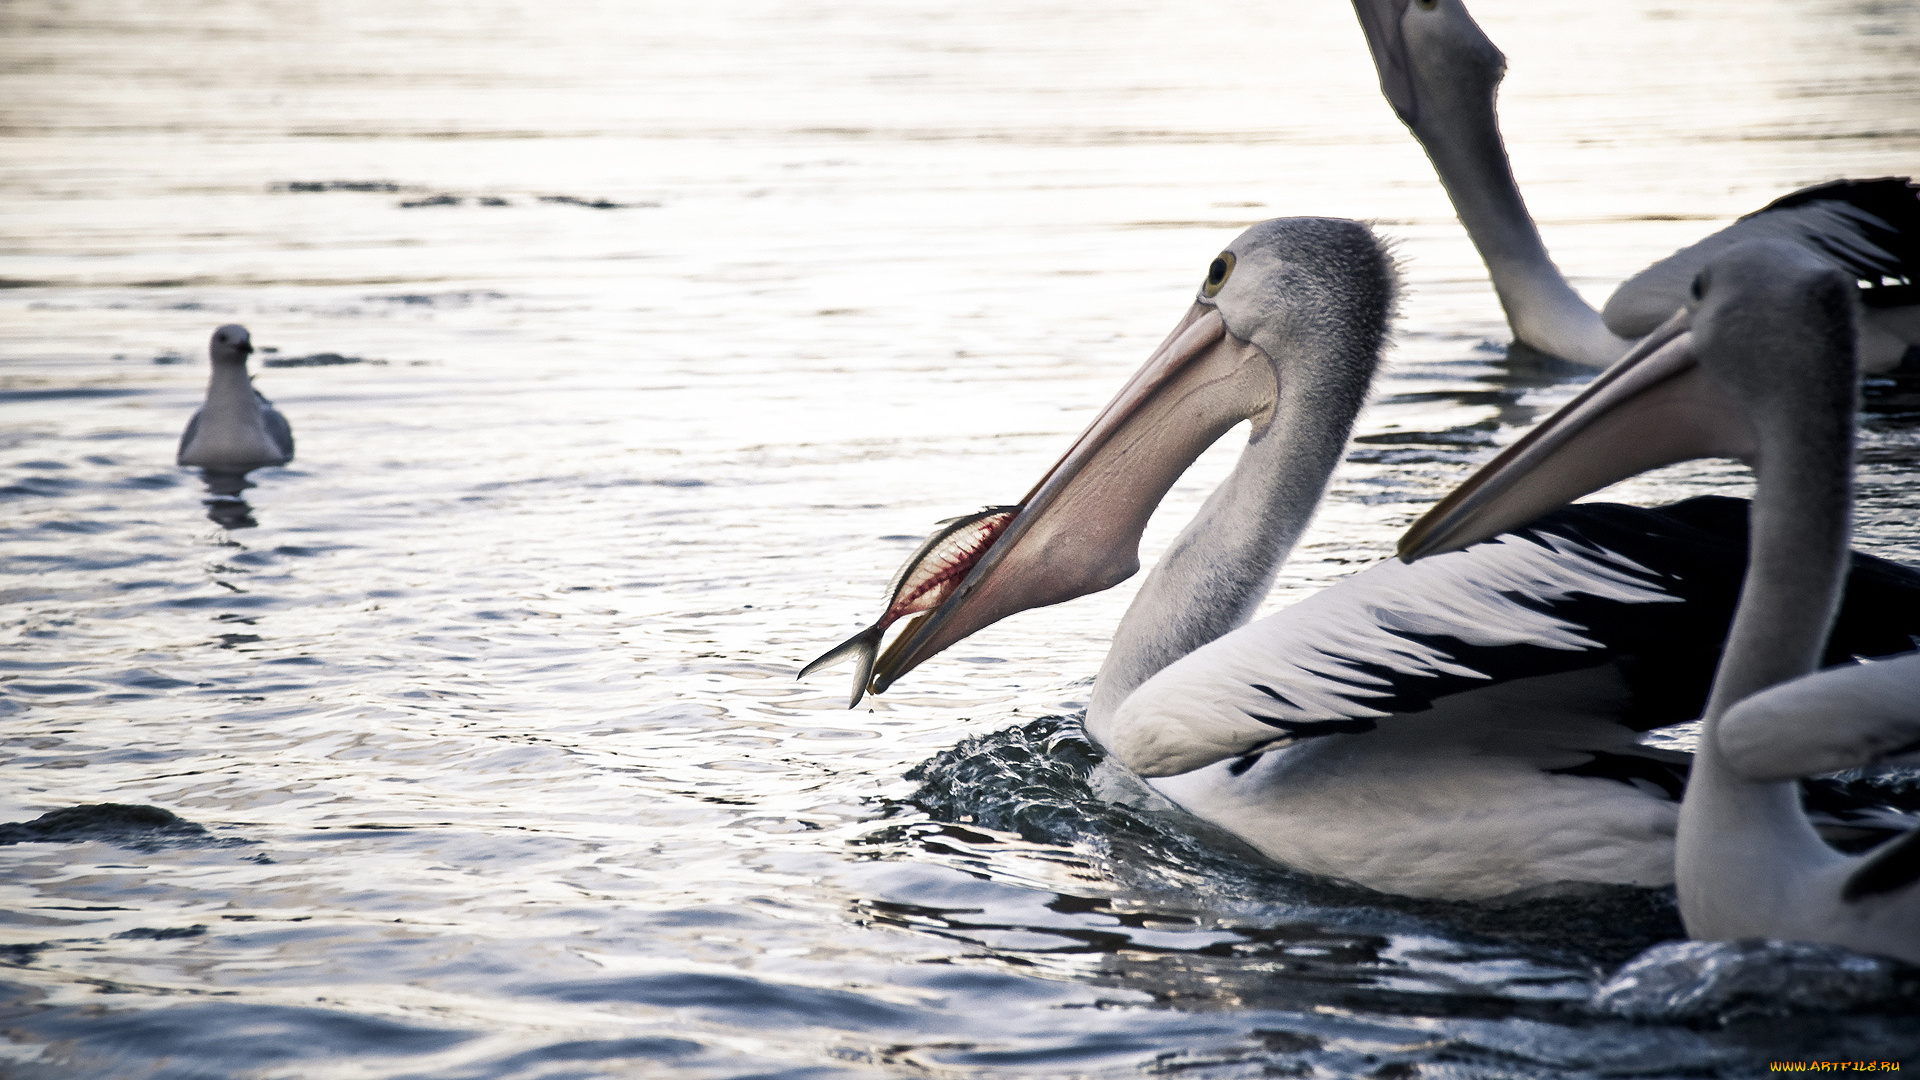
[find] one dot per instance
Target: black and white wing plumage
(1629, 605)
(1869, 228)
(1467, 726)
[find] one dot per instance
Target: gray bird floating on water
(1440, 73)
(237, 429)
(1764, 368)
(1466, 727)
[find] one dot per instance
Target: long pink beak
(1654, 407)
(1078, 531)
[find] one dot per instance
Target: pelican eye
(1217, 274)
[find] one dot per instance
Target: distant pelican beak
(1380, 20)
(1654, 407)
(1078, 530)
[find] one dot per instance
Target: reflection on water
(631, 350)
(227, 509)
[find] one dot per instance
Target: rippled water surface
(671, 328)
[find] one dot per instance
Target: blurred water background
(629, 347)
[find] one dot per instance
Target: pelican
(1465, 727)
(1763, 368)
(1440, 73)
(237, 429)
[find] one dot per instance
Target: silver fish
(923, 583)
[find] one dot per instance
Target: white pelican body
(1440, 73)
(1772, 334)
(236, 429)
(1462, 728)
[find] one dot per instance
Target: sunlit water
(673, 328)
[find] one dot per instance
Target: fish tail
(863, 666)
(864, 647)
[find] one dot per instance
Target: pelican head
(230, 345)
(1284, 332)
(1771, 342)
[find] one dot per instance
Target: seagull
(1763, 368)
(237, 429)
(1466, 727)
(1440, 73)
